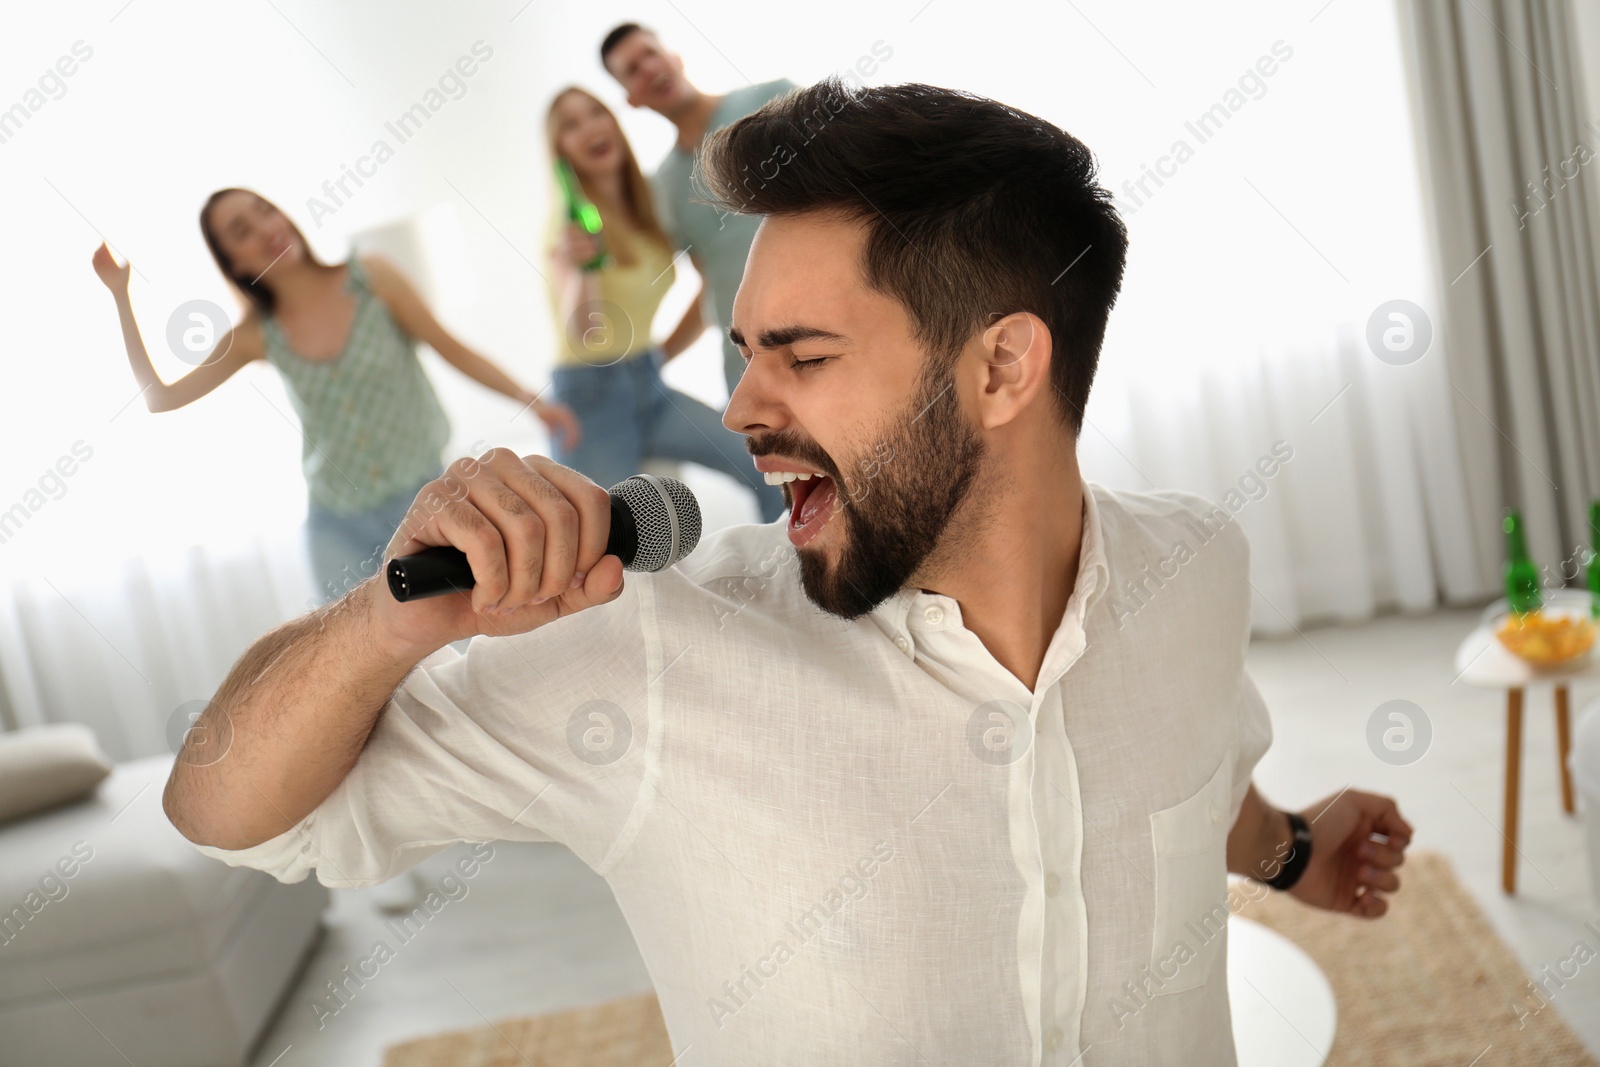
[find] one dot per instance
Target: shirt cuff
(289, 857)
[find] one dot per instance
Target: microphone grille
(667, 516)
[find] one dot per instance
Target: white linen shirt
(861, 842)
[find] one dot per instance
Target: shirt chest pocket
(1190, 841)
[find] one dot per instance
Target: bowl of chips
(1551, 636)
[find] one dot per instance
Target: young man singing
(890, 782)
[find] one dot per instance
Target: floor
(536, 931)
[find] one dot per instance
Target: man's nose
(753, 407)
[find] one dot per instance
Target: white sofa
(120, 942)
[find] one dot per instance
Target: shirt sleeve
(536, 737)
(1255, 737)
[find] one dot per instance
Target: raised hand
(114, 277)
(577, 246)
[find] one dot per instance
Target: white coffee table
(1283, 1009)
(1483, 661)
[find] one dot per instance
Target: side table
(1483, 661)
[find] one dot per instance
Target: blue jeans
(347, 549)
(627, 414)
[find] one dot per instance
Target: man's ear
(1014, 353)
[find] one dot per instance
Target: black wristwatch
(1294, 865)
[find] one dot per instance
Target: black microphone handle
(444, 568)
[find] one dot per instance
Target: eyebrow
(784, 336)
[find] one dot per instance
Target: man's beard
(899, 504)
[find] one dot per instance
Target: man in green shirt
(717, 241)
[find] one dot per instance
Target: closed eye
(811, 364)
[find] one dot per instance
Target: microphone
(655, 522)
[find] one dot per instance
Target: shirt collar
(1094, 573)
(914, 609)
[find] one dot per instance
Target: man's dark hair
(974, 210)
(615, 37)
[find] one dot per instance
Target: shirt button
(1052, 885)
(934, 615)
(1215, 813)
(901, 643)
(1053, 1038)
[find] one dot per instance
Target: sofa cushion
(106, 889)
(42, 766)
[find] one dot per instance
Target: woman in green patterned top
(344, 337)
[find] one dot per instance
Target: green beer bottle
(1594, 558)
(581, 211)
(1522, 577)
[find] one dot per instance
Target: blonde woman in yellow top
(607, 365)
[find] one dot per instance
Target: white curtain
(127, 646)
(1367, 514)
(1511, 142)
(1255, 268)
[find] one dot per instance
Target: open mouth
(814, 500)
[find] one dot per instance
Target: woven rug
(619, 1033)
(1427, 985)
